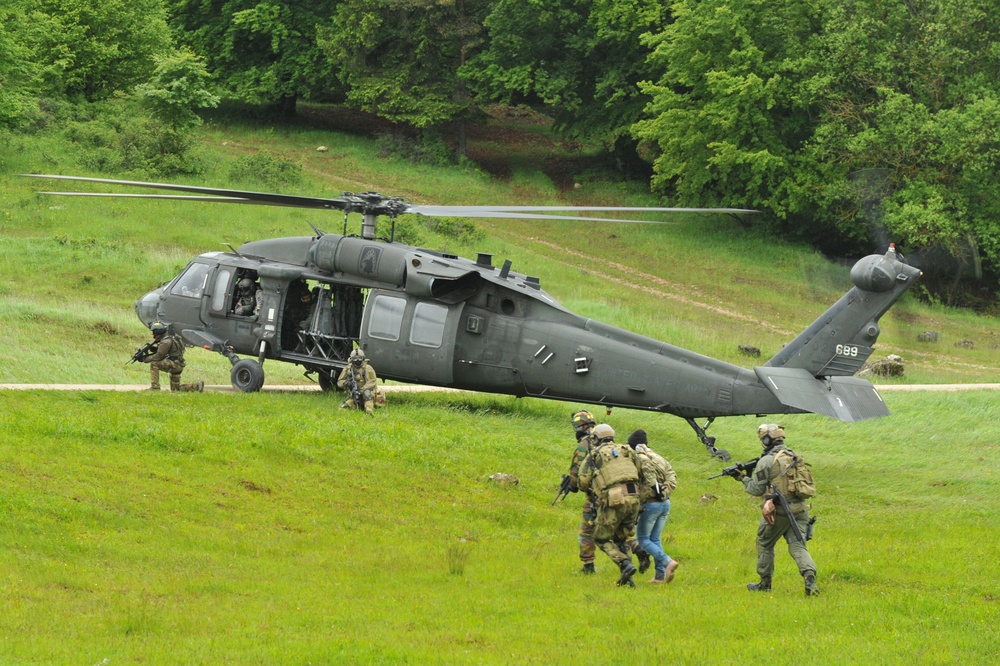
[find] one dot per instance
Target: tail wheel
(247, 375)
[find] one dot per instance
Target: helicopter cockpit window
(221, 288)
(428, 325)
(386, 317)
(192, 282)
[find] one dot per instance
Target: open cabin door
(409, 338)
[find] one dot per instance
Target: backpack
(794, 478)
(657, 475)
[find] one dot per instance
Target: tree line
(850, 123)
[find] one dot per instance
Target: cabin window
(428, 325)
(386, 317)
(221, 289)
(192, 282)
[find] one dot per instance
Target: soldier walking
(611, 471)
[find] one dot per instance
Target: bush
(266, 168)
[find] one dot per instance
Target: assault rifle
(737, 470)
(565, 488)
(352, 386)
(777, 494)
(144, 352)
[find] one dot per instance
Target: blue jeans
(647, 531)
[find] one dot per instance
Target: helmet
(769, 433)
(582, 419)
(245, 284)
(604, 431)
(357, 357)
(158, 328)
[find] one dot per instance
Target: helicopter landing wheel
(247, 375)
(326, 380)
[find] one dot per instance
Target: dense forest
(847, 122)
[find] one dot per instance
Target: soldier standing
(169, 357)
(358, 380)
(775, 521)
(611, 471)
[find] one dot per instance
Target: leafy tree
(178, 88)
(92, 49)
(400, 58)
(16, 71)
(261, 52)
(730, 110)
(921, 105)
(843, 119)
(582, 59)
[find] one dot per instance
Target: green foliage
(17, 72)
(178, 88)
(427, 147)
(829, 116)
(93, 49)
(266, 168)
(582, 59)
(116, 140)
(400, 59)
(260, 52)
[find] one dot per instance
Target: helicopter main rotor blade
(372, 203)
(473, 211)
(234, 196)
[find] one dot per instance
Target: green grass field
(274, 528)
(271, 528)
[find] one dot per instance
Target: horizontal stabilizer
(845, 398)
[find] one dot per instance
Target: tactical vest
(614, 464)
(176, 352)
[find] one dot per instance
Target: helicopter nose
(146, 307)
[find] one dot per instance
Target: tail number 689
(847, 350)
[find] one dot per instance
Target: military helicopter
(438, 319)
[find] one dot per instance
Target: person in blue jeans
(657, 483)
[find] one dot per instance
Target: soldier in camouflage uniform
(169, 357)
(583, 424)
(760, 484)
(365, 380)
(611, 471)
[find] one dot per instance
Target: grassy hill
(273, 528)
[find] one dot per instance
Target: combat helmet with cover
(357, 357)
(582, 420)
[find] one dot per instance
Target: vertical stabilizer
(839, 342)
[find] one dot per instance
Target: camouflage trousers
(614, 529)
(769, 535)
(369, 403)
(588, 548)
(175, 368)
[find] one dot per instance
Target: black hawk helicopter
(433, 318)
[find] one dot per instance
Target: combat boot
(763, 586)
(628, 570)
(811, 588)
(588, 568)
(199, 386)
(644, 562)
